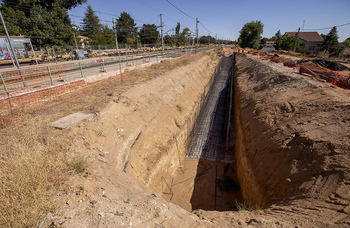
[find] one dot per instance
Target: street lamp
(75, 40)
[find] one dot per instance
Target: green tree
(176, 37)
(250, 34)
(331, 44)
(184, 35)
(347, 42)
(91, 26)
(45, 21)
(206, 39)
(149, 34)
(105, 36)
(168, 40)
(263, 42)
(287, 43)
(277, 38)
(126, 28)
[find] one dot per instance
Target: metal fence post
(48, 69)
(81, 70)
(3, 83)
(54, 54)
(48, 54)
(126, 53)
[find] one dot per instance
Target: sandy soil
(298, 178)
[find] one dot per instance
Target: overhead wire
(180, 10)
(329, 27)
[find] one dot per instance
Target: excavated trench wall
(170, 105)
(289, 140)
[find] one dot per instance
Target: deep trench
(216, 184)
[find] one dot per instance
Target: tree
(206, 39)
(331, 44)
(149, 34)
(45, 21)
(104, 37)
(277, 38)
(287, 43)
(91, 24)
(250, 34)
(126, 28)
(184, 35)
(168, 40)
(263, 42)
(347, 42)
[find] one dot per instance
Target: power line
(204, 27)
(329, 27)
(148, 6)
(180, 10)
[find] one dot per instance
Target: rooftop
(307, 36)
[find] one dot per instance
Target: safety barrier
(37, 88)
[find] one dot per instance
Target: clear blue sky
(227, 17)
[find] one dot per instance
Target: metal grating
(208, 137)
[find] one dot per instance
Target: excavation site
(228, 139)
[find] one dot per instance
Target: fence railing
(27, 78)
(38, 87)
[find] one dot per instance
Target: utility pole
(76, 45)
(296, 40)
(161, 31)
(8, 38)
(209, 41)
(115, 34)
(197, 21)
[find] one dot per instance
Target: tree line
(250, 36)
(47, 23)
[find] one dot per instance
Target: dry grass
(34, 161)
(32, 168)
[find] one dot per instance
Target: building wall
(312, 47)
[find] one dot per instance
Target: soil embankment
(292, 142)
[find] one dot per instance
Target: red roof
(307, 36)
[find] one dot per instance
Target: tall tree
(168, 40)
(287, 43)
(46, 21)
(126, 28)
(277, 38)
(250, 34)
(331, 44)
(184, 35)
(91, 24)
(347, 42)
(149, 34)
(104, 37)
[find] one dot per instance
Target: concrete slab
(70, 120)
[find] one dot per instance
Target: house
(346, 51)
(311, 41)
(83, 41)
(269, 46)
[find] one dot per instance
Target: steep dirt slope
(292, 142)
(141, 134)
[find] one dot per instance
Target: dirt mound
(292, 142)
